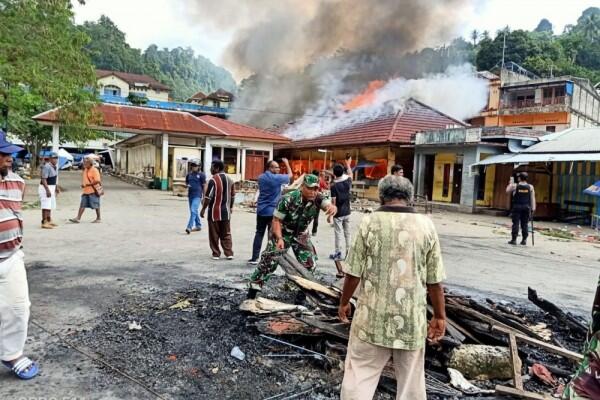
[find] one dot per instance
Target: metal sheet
(548, 157)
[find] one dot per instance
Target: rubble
(298, 345)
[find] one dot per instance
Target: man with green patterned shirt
(396, 257)
(293, 214)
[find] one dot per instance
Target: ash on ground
(183, 349)
(179, 343)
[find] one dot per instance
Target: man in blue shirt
(196, 184)
(269, 188)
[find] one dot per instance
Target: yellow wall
(438, 176)
(179, 153)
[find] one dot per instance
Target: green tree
(43, 65)
(108, 48)
(475, 36)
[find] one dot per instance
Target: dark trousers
(220, 231)
(316, 222)
(262, 223)
(520, 217)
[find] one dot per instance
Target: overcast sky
(164, 22)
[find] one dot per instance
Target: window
(559, 91)
(217, 153)
(446, 181)
(111, 90)
(481, 183)
(230, 160)
(551, 128)
(547, 93)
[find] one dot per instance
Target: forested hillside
(179, 68)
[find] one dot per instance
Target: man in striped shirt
(219, 198)
(14, 292)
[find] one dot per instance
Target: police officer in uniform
(523, 206)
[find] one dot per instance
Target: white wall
(151, 94)
(114, 81)
(138, 158)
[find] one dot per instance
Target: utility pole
(503, 48)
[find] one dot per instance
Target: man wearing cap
(294, 212)
(195, 181)
(48, 190)
(523, 206)
(14, 292)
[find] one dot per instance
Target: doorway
(428, 178)
(456, 183)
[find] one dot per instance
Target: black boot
(513, 241)
(524, 242)
(253, 290)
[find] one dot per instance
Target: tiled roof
(391, 128)
(219, 94)
(133, 78)
(135, 119)
(197, 96)
(242, 131)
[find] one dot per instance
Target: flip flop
(97, 221)
(24, 369)
(73, 220)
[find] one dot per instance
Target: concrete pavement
(78, 270)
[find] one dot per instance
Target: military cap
(311, 180)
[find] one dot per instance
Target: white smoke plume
(458, 92)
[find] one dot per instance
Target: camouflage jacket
(296, 214)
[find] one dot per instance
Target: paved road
(77, 271)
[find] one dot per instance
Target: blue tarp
(62, 161)
(593, 190)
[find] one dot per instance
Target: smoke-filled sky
(165, 22)
(308, 57)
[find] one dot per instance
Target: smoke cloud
(457, 92)
(294, 54)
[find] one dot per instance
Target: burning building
(375, 145)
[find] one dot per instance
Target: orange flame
(365, 98)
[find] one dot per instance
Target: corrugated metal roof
(392, 128)
(242, 131)
(545, 157)
(574, 140)
(130, 118)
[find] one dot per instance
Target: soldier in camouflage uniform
(586, 382)
(294, 213)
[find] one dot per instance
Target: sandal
(96, 221)
(74, 220)
(24, 368)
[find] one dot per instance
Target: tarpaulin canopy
(593, 190)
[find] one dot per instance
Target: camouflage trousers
(301, 246)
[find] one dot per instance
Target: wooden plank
(573, 323)
(515, 361)
(521, 393)
(312, 285)
(546, 346)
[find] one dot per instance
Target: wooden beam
(546, 346)
(515, 361)
(521, 393)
